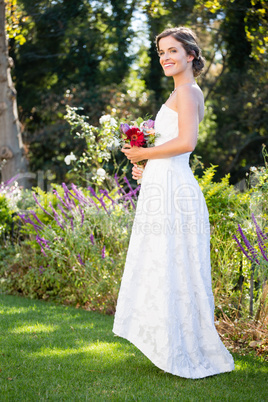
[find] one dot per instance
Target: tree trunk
(12, 155)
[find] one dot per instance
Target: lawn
(60, 353)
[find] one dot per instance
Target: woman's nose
(165, 56)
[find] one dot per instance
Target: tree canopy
(81, 53)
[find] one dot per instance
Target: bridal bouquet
(140, 134)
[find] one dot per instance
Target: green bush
(74, 243)
(75, 247)
(5, 216)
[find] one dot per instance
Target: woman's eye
(173, 51)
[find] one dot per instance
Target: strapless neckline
(170, 108)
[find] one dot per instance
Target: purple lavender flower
(38, 203)
(61, 200)
(91, 189)
(41, 241)
(258, 229)
(57, 217)
(28, 220)
(248, 245)
(120, 189)
(242, 248)
(130, 193)
(80, 259)
(92, 239)
(79, 195)
(8, 182)
(70, 202)
(72, 223)
(260, 236)
(103, 252)
(41, 270)
(36, 218)
(262, 247)
(82, 216)
(106, 194)
(60, 207)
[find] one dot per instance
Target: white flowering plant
(10, 195)
(102, 143)
(12, 192)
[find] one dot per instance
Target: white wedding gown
(165, 305)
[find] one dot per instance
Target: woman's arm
(187, 107)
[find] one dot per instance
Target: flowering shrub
(74, 241)
(12, 192)
(10, 195)
(101, 146)
(5, 216)
(258, 257)
(75, 246)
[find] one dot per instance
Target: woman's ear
(190, 57)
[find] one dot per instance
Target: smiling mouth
(168, 65)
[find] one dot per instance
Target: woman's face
(173, 57)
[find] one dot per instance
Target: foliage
(258, 257)
(68, 51)
(10, 195)
(14, 18)
(101, 158)
(5, 216)
(74, 247)
(229, 207)
(226, 205)
(101, 146)
(255, 21)
(234, 81)
(69, 231)
(68, 58)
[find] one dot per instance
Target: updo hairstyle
(188, 40)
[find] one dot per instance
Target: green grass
(58, 353)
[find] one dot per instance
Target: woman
(165, 305)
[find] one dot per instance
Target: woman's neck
(182, 80)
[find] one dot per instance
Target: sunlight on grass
(14, 310)
(110, 350)
(247, 366)
(37, 328)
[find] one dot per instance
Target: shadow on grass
(51, 352)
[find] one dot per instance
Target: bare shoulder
(191, 94)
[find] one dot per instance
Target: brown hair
(188, 40)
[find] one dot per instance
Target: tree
(237, 92)
(12, 155)
(75, 53)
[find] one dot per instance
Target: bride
(165, 305)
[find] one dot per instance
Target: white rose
(101, 172)
(69, 158)
(253, 169)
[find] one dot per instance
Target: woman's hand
(137, 171)
(134, 154)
